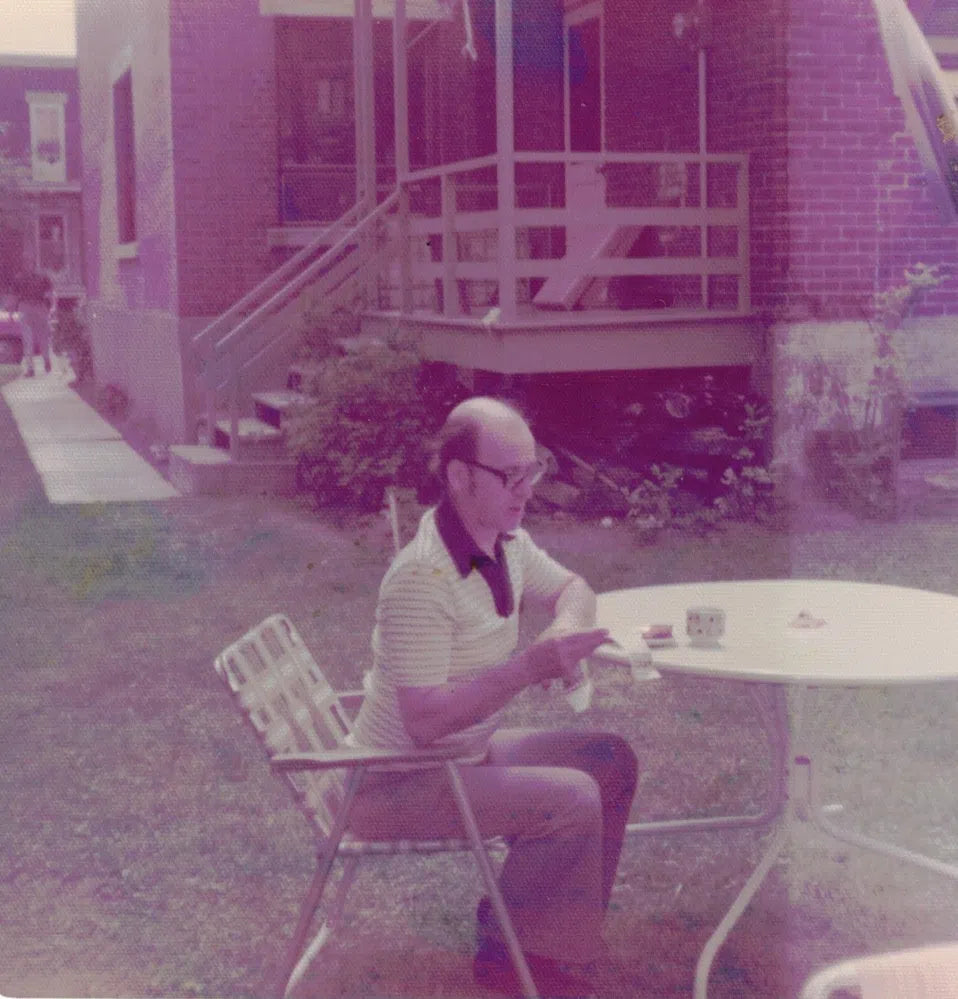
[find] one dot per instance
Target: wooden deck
(540, 342)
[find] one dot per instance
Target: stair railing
(273, 281)
(350, 250)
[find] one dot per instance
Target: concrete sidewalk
(80, 457)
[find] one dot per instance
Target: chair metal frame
(304, 724)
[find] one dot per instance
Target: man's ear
(457, 477)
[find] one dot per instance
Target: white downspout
(505, 159)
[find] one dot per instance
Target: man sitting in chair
(445, 664)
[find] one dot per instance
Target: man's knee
(576, 802)
(612, 761)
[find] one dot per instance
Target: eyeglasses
(512, 478)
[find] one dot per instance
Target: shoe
(492, 968)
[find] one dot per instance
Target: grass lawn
(149, 851)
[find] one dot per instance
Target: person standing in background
(32, 295)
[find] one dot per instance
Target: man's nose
(524, 489)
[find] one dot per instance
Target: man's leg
(552, 817)
(606, 757)
(44, 341)
(38, 319)
(26, 333)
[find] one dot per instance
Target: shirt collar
(460, 543)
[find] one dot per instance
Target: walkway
(80, 457)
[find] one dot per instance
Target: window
(47, 137)
(51, 243)
(125, 149)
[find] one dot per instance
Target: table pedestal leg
(883, 846)
(715, 941)
(798, 790)
(802, 805)
(823, 823)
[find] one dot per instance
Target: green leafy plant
(714, 442)
(324, 331)
(14, 223)
(852, 421)
(748, 489)
(688, 454)
(113, 402)
(652, 503)
(370, 415)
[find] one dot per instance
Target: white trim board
(416, 10)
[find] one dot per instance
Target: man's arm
(429, 713)
(560, 591)
(574, 606)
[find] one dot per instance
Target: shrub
(324, 331)
(848, 410)
(113, 402)
(367, 424)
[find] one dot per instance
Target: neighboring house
(586, 185)
(40, 163)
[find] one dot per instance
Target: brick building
(664, 185)
(179, 182)
(40, 163)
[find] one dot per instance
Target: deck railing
(597, 231)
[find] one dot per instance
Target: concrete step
(201, 470)
(255, 437)
(271, 407)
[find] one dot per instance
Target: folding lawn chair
(919, 973)
(303, 723)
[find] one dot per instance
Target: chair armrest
(359, 756)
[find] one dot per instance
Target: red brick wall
(223, 80)
(747, 112)
(858, 209)
(838, 206)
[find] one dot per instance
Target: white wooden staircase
(242, 361)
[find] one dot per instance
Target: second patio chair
(303, 723)
(918, 973)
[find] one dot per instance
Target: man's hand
(433, 712)
(557, 657)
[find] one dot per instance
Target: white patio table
(818, 638)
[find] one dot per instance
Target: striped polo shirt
(437, 622)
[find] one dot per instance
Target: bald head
(466, 425)
(483, 412)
